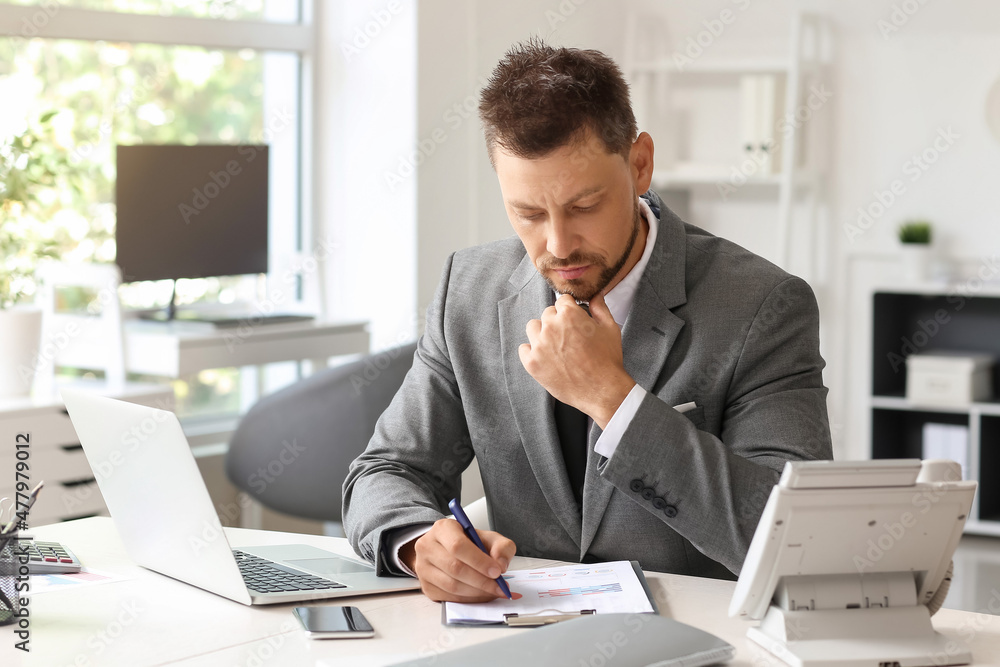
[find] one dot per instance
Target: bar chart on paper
(602, 587)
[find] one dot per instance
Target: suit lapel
(531, 404)
(649, 333)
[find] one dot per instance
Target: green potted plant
(915, 238)
(32, 169)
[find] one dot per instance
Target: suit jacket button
(636, 485)
(648, 493)
(659, 503)
(670, 511)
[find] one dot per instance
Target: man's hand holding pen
(450, 567)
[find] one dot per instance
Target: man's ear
(641, 162)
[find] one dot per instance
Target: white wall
(447, 126)
(895, 96)
(459, 45)
(409, 96)
(891, 96)
(367, 108)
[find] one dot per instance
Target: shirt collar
(620, 298)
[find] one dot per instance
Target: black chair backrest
(292, 449)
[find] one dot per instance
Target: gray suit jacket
(711, 323)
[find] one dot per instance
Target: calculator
(50, 558)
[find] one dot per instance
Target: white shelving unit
(661, 87)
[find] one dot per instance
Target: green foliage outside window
(36, 181)
(57, 171)
(106, 94)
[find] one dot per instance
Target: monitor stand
(221, 319)
(169, 314)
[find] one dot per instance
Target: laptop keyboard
(265, 576)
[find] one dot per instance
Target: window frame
(51, 20)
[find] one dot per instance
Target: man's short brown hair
(540, 98)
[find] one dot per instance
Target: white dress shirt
(619, 301)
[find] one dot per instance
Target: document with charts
(604, 588)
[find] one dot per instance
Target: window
(254, 10)
(145, 71)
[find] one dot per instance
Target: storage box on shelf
(947, 377)
(56, 457)
(908, 321)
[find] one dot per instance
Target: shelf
(709, 88)
(908, 318)
(901, 403)
(958, 288)
(684, 178)
(179, 349)
(718, 66)
(713, 176)
(908, 322)
(990, 526)
(988, 498)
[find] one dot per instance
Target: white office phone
(851, 559)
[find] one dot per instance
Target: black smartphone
(334, 622)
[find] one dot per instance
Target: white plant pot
(916, 261)
(20, 338)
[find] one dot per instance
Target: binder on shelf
(947, 441)
(761, 103)
(749, 135)
(768, 105)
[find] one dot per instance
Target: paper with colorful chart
(604, 587)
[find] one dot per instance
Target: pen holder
(9, 606)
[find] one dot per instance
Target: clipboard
(549, 616)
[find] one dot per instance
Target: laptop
(167, 523)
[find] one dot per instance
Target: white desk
(153, 620)
(176, 349)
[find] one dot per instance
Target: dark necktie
(571, 425)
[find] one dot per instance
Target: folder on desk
(549, 595)
(608, 639)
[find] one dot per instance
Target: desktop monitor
(191, 211)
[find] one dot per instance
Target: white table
(175, 349)
(153, 620)
(178, 348)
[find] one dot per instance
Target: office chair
(292, 449)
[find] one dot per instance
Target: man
(651, 428)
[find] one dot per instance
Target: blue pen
(463, 521)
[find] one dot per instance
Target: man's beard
(576, 287)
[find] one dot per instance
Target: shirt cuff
(612, 435)
(399, 539)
